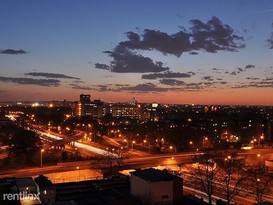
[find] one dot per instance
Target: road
(139, 162)
(134, 163)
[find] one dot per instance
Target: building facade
(154, 186)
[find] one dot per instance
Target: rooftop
(153, 175)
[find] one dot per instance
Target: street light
(78, 168)
(191, 144)
(125, 140)
(204, 140)
(41, 156)
(133, 142)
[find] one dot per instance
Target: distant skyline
(176, 52)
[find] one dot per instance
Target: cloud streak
(270, 40)
(31, 81)
(167, 74)
(51, 75)
(13, 51)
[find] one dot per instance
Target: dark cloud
(77, 81)
(223, 82)
(102, 66)
(192, 73)
(51, 75)
(193, 86)
(270, 40)
(171, 82)
(167, 74)
(121, 85)
(126, 61)
(212, 36)
(79, 87)
(13, 51)
(174, 44)
(208, 78)
(240, 70)
(146, 87)
(193, 53)
(265, 83)
(31, 81)
(252, 78)
(249, 66)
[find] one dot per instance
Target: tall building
(87, 107)
(85, 104)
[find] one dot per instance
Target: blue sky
(55, 50)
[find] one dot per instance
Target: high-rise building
(87, 107)
(85, 104)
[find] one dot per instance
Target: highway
(140, 162)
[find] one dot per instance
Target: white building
(154, 186)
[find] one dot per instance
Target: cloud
(167, 74)
(77, 81)
(252, 78)
(31, 81)
(265, 83)
(171, 82)
(270, 40)
(208, 78)
(146, 87)
(13, 51)
(193, 53)
(79, 87)
(212, 36)
(240, 70)
(126, 61)
(249, 66)
(51, 75)
(102, 66)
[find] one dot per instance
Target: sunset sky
(178, 51)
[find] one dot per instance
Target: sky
(175, 52)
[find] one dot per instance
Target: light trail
(94, 149)
(49, 135)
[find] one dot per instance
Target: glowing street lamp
(78, 168)
(125, 140)
(204, 140)
(41, 156)
(133, 142)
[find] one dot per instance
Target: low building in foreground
(153, 186)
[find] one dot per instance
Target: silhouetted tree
(25, 145)
(233, 176)
(261, 183)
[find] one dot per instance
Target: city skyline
(211, 52)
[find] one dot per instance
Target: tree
(25, 145)
(64, 156)
(233, 175)
(206, 172)
(260, 183)
(109, 163)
